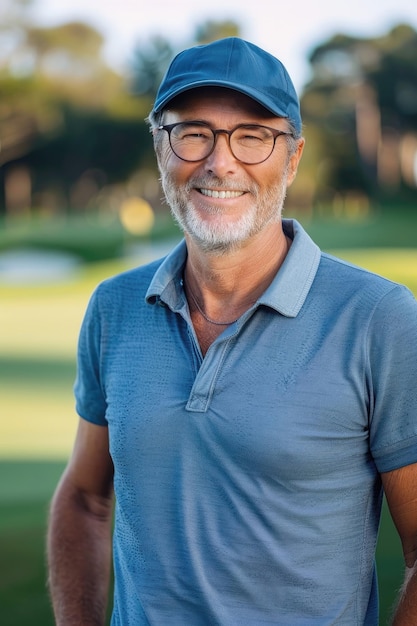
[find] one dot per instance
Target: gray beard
(266, 209)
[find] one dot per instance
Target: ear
(294, 160)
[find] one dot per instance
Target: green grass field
(39, 327)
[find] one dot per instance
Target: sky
(289, 30)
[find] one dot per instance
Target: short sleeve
(392, 380)
(89, 394)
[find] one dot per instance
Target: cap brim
(244, 89)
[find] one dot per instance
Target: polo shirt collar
(289, 289)
(286, 294)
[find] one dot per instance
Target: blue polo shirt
(247, 482)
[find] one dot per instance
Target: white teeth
(221, 194)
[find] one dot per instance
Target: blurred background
(80, 198)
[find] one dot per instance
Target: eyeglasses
(249, 143)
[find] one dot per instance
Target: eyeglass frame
(275, 133)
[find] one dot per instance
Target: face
(220, 202)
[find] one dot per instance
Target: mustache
(226, 184)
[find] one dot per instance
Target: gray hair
(154, 119)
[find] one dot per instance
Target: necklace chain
(206, 317)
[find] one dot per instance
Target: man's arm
(401, 492)
(79, 533)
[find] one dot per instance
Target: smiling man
(243, 401)
(228, 201)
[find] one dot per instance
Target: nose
(221, 161)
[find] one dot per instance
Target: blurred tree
(212, 30)
(68, 125)
(361, 106)
(14, 17)
(59, 102)
(68, 50)
(151, 58)
(149, 63)
(395, 77)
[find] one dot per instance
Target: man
(248, 395)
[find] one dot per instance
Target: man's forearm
(79, 558)
(406, 611)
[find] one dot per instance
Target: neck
(224, 286)
(241, 270)
(220, 289)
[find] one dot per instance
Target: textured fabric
(247, 482)
(234, 64)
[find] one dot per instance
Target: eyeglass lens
(248, 143)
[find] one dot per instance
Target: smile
(211, 193)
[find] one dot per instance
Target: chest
(274, 402)
(205, 331)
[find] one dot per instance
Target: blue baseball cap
(235, 64)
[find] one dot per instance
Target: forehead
(218, 99)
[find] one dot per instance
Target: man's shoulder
(134, 277)
(343, 280)
(338, 269)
